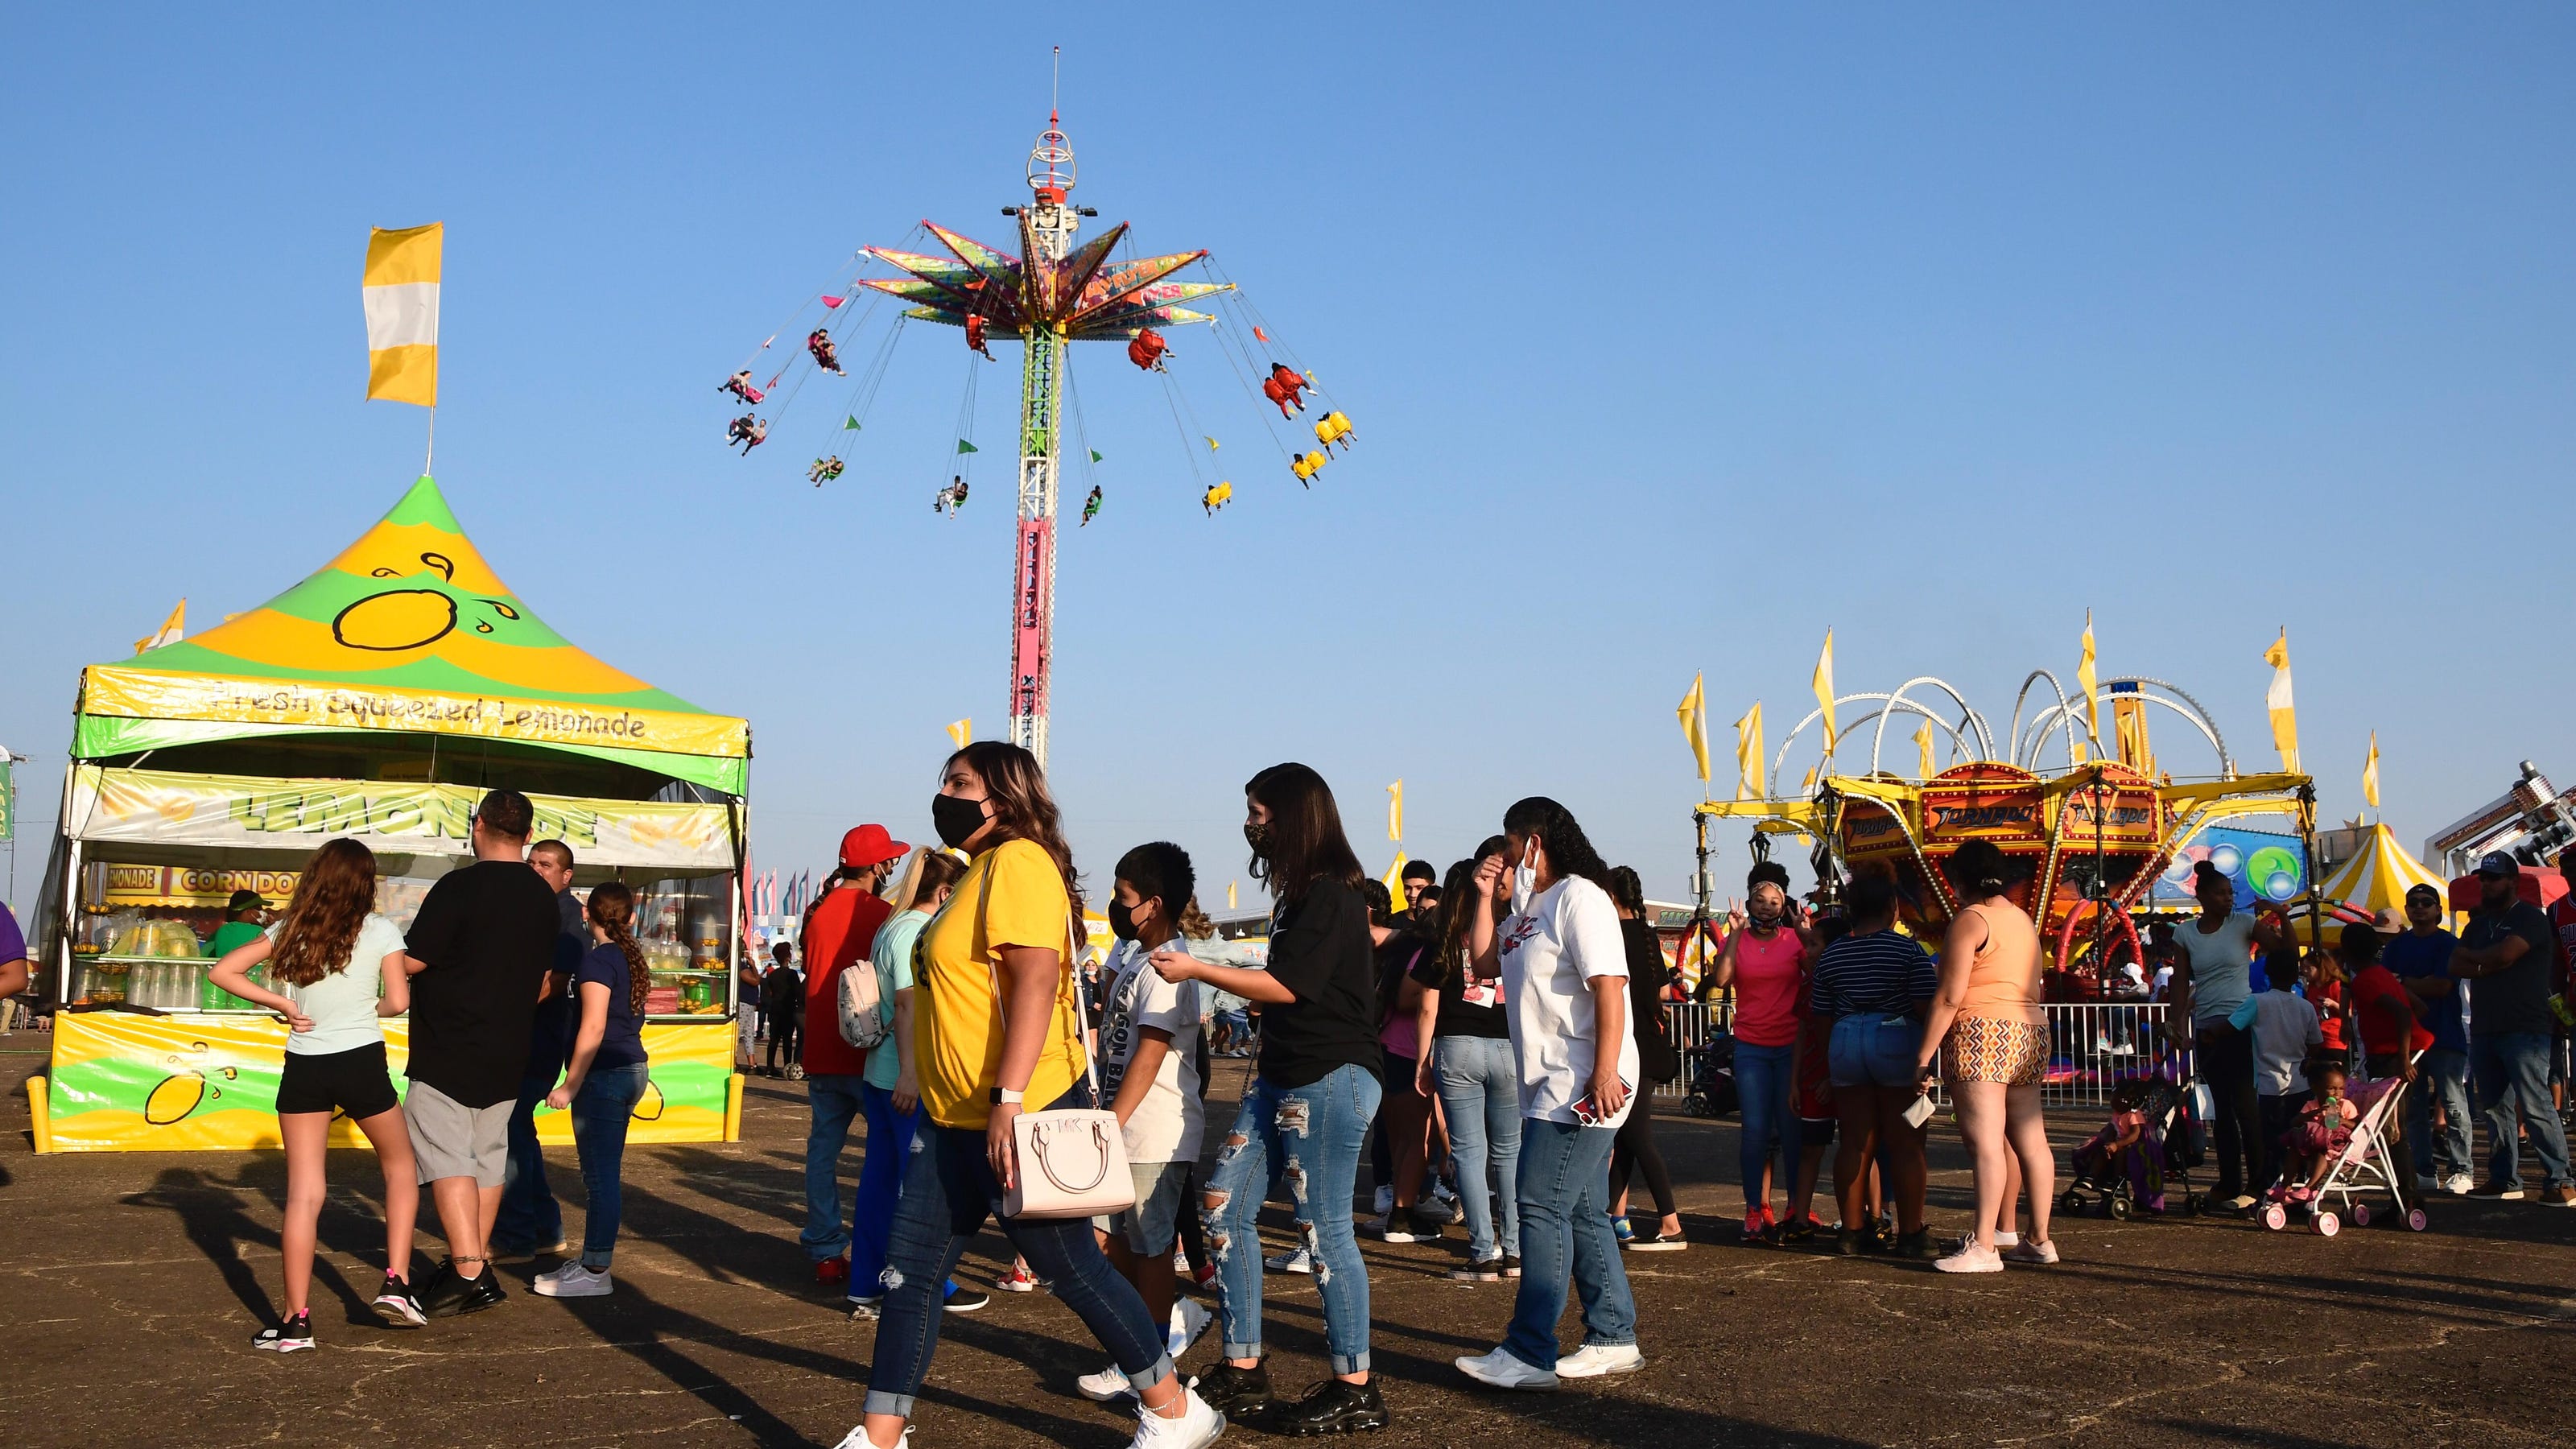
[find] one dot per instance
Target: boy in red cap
(839, 930)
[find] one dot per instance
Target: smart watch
(1005, 1097)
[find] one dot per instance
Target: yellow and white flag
(1395, 815)
(2089, 682)
(1394, 882)
(2370, 773)
(2285, 714)
(1825, 693)
(1229, 895)
(1694, 712)
(1923, 744)
(960, 732)
(175, 628)
(1748, 754)
(401, 296)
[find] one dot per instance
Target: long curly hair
(331, 902)
(612, 910)
(1569, 850)
(1024, 810)
(1458, 908)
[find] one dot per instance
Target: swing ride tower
(1051, 295)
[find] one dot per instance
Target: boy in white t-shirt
(1149, 1076)
(2285, 1032)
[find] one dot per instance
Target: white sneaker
(1197, 1427)
(1384, 1203)
(858, 1439)
(2458, 1184)
(572, 1280)
(1595, 1359)
(2031, 1253)
(1189, 1320)
(1300, 1261)
(1971, 1259)
(2002, 1241)
(1110, 1383)
(1501, 1369)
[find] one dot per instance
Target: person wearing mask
(2508, 950)
(1565, 982)
(2214, 979)
(782, 996)
(1634, 1150)
(335, 967)
(479, 952)
(890, 1095)
(1151, 1072)
(1768, 943)
(530, 1222)
(839, 931)
(1991, 1041)
(2421, 957)
(1000, 1030)
(245, 918)
(1470, 1067)
(1404, 1111)
(1312, 1095)
(604, 1077)
(1872, 986)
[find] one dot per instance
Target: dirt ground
(133, 1282)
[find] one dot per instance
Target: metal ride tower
(1050, 295)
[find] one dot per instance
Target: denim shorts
(1151, 1224)
(1874, 1049)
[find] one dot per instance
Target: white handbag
(1072, 1161)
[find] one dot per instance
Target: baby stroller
(2169, 1154)
(2364, 1165)
(1710, 1068)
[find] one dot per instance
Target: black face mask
(1122, 921)
(1258, 837)
(956, 820)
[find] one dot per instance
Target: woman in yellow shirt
(994, 1030)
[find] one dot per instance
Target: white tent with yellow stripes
(2377, 877)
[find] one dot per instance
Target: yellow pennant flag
(1694, 712)
(1394, 882)
(2129, 724)
(1807, 785)
(175, 628)
(2285, 714)
(1748, 754)
(1395, 815)
(1229, 895)
(1923, 744)
(1825, 692)
(2086, 680)
(2370, 773)
(960, 732)
(400, 293)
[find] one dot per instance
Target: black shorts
(354, 1081)
(1815, 1131)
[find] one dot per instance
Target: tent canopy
(2378, 876)
(407, 631)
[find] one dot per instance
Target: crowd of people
(1491, 1038)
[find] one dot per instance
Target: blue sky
(1672, 337)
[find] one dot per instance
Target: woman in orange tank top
(1991, 1040)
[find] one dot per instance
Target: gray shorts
(1151, 1224)
(454, 1140)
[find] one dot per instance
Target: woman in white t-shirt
(337, 967)
(2216, 978)
(1564, 968)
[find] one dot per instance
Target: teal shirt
(892, 956)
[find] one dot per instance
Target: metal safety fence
(2092, 1046)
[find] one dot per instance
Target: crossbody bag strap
(1001, 1008)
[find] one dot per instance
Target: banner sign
(165, 807)
(127, 1082)
(2267, 869)
(151, 694)
(1032, 584)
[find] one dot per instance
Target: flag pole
(430, 449)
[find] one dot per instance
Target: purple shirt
(13, 942)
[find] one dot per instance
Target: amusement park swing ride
(1050, 295)
(2090, 836)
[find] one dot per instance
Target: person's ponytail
(612, 910)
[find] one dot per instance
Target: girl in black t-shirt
(607, 1076)
(1468, 1065)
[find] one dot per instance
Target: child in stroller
(2124, 1163)
(2344, 1148)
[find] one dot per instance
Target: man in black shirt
(531, 1222)
(480, 950)
(2507, 950)
(782, 994)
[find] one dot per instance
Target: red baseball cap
(869, 845)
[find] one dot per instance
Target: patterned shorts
(1990, 1049)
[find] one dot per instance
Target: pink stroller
(2366, 1164)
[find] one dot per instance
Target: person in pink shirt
(1768, 944)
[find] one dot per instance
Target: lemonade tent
(378, 699)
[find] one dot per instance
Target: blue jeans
(944, 1204)
(1565, 1227)
(529, 1216)
(2444, 1071)
(1315, 1133)
(2513, 1065)
(1480, 1092)
(834, 1096)
(600, 1112)
(881, 1172)
(1762, 1084)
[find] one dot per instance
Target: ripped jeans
(1314, 1133)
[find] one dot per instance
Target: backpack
(865, 1021)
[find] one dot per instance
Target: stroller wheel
(2190, 1205)
(2361, 1215)
(2275, 1216)
(2071, 1201)
(2325, 1224)
(2415, 1220)
(2119, 1208)
(1695, 1105)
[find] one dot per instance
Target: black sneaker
(1852, 1245)
(1237, 1393)
(293, 1336)
(1333, 1407)
(1916, 1244)
(1799, 1231)
(396, 1306)
(2496, 1192)
(450, 1295)
(1411, 1225)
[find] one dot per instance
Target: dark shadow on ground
(213, 1215)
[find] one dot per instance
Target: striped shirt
(1879, 971)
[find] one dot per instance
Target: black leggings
(2224, 1058)
(1634, 1147)
(784, 1036)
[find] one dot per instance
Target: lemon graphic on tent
(411, 618)
(648, 1108)
(184, 1090)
